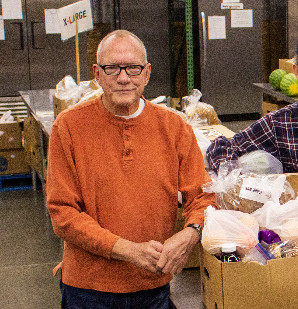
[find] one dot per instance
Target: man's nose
(123, 76)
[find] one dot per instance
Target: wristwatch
(197, 227)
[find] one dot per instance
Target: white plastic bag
(225, 226)
(68, 90)
(198, 113)
(203, 143)
(282, 219)
(71, 93)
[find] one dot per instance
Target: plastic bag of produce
(260, 162)
(228, 227)
(282, 219)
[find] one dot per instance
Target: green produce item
(276, 77)
(289, 85)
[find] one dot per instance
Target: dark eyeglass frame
(103, 67)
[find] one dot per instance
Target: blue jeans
(75, 298)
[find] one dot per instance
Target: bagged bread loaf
(248, 192)
(199, 113)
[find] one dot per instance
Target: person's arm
(65, 201)
(258, 136)
(192, 175)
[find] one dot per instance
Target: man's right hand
(144, 255)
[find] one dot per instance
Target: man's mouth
(123, 90)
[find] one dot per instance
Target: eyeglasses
(131, 70)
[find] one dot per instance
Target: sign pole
(77, 52)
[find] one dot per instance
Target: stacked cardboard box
(269, 107)
(12, 156)
(213, 131)
(250, 285)
(32, 145)
(286, 64)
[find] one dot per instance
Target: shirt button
(127, 152)
(126, 127)
(126, 137)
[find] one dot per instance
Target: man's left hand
(176, 251)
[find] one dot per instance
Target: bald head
(120, 34)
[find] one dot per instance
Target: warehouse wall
(149, 21)
(292, 27)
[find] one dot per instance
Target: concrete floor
(29, 251)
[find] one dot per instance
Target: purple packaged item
(268, 237)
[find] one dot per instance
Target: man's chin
(124, 100)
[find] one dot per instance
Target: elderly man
(115, 166)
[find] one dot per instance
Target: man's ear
(147, 73)
(95, 71)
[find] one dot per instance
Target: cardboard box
(33, 158)
(10, 135)
(250, 285)
(59, 105)
(268, 107)
(286, 64)
(292, 178)
(31, 132)
(13, 161)
(212, 132)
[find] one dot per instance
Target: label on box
(256, 190)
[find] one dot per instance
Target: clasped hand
(169, 257)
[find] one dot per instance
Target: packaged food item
(268, 237)
(284, 249)
(247, 192)
(258, 254)
(198, 113)
(229, 253)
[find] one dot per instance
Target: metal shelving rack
(188, 38)
(189, 45)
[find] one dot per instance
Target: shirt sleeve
(192, 175)
(258, 136)
(65, 202)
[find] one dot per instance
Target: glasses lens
(134, 70)
(112, 69)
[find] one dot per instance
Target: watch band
(197, 227)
